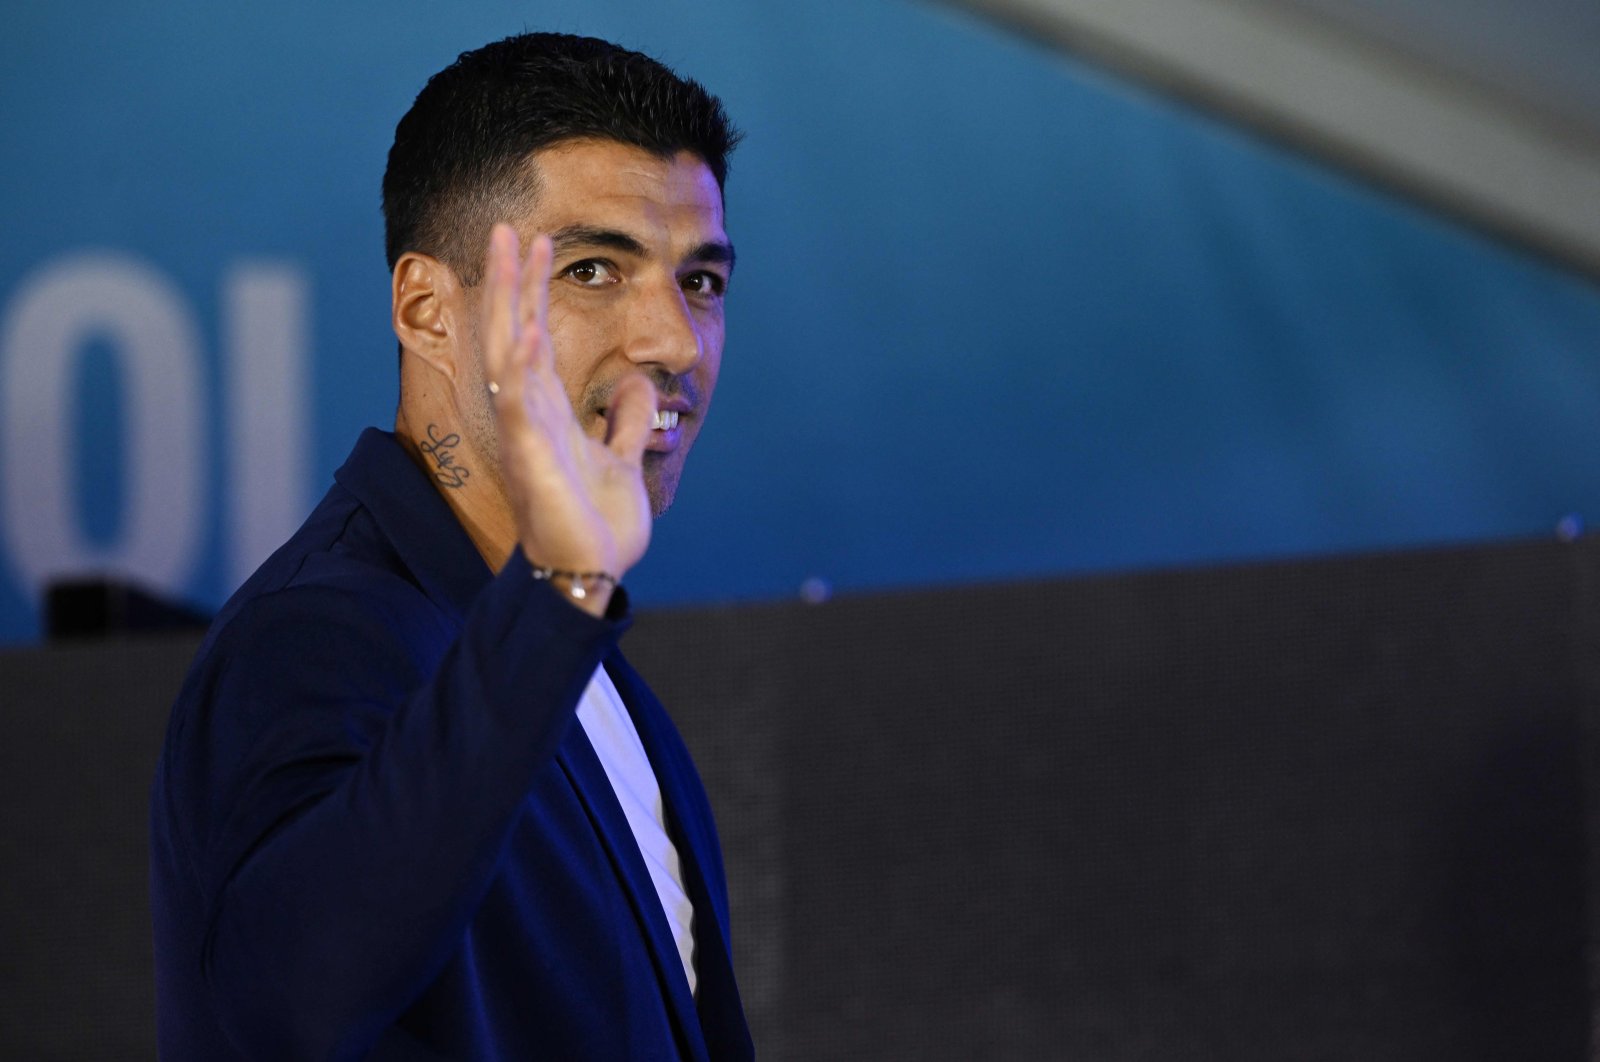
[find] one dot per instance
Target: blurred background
(1026, 286)
(1131, 600)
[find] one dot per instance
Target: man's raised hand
(579, 503)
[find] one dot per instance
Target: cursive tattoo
(441, 448)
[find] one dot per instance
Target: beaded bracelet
(579, 584)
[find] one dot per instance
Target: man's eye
(590, 273)
(705, 283)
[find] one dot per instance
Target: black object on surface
(100, 607)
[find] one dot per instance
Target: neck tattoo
(442, 449)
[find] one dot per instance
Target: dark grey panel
(1324, 810)
(1329, 809)
(83, 728)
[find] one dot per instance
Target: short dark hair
(459, 161)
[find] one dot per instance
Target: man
(378, 829)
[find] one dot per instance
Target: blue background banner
(997, 315)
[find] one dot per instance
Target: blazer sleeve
(343, 803)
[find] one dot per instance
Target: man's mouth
(665, 431)
(660, 420)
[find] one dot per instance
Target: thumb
(633, 407)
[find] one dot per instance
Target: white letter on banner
(269, 400)
(152, 334)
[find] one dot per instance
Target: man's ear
(427, 310)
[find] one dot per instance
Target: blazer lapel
(578, 758)
(721, 1010)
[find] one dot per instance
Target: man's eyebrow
(592, 236)
(572, 237)
(714, 251)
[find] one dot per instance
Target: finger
(498, 312)
(536, 281)
(536, 299)
(508, 348)
(511, 387)
(633, 406)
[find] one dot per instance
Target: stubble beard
(479, 424)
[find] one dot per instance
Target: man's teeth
(664, 420)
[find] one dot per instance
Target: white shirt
(611, 731)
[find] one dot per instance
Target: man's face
(640, 267)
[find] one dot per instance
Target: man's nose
(663, 330)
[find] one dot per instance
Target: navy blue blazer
(378, 832)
